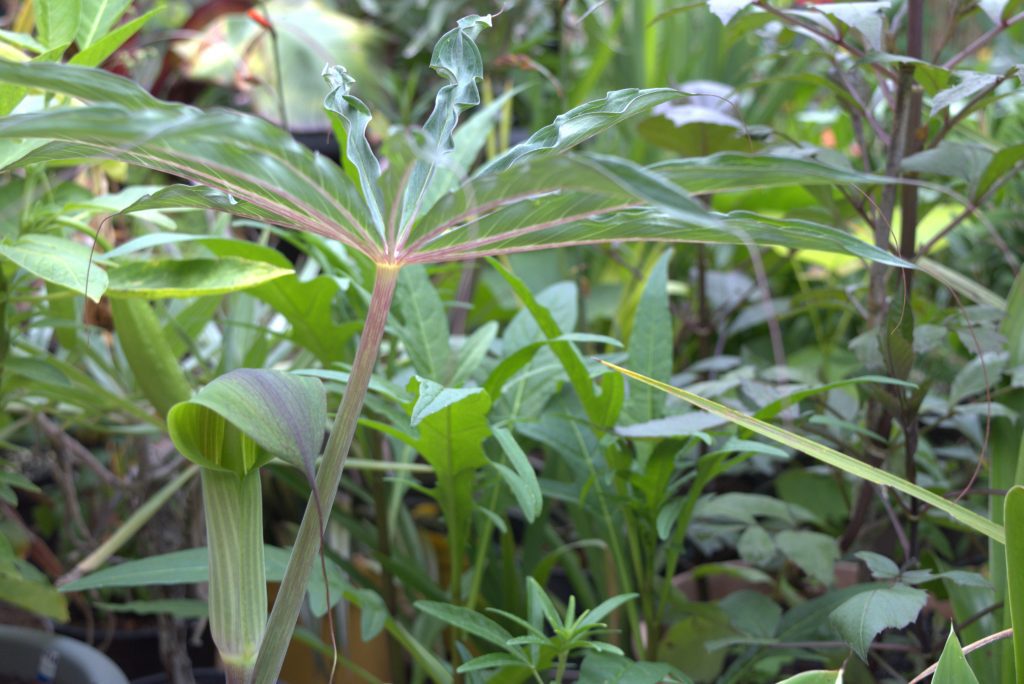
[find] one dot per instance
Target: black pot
(23, 650)
(203, 675)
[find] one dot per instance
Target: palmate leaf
(274, 178)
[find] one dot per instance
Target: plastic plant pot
(29, 654)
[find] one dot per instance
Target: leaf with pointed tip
(97, 52)
(848, 464)
(169, 278)
(241, 155)
(860, 619)
(354, 116)
(457, 59)
(952, 666)
(283, 414)
(734, 171)
(521, 478)
(96, 19)
(582, 123)
(650, 344)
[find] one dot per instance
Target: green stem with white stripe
(238, 583)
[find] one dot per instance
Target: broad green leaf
(813, 552)
(163, 278)
(184, 609)
(650, 343)
(59, 261)
(97, 18)
(1013, 515)
(953, 667)
(97, 52)
(521, 478)
(56, 21)
(860, 619)
(830, 456)
(880, 567)
(456, 58)
(354, 116)
(424, 329)
(452, 425)
(34, 595)
(815, 677)
(469, 620)
(283, 414)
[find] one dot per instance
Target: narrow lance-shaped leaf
(354, 116)
(830, 456)
(457, 59)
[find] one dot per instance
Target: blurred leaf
(867, 17)
(521, 478)
(34, 596)
(163, 278)
(58, 261)
(813, 552)
(97, 52)
(56, 21)
(830, 456)
(466, 619)
(650, 343)
(1013, 514)
(860, 619)
(182, 609)
(971, 83)
(727, 9)
(815, 677)
(880, 567)
(608, 668)
(97, 18)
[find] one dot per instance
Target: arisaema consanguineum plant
(426, 208)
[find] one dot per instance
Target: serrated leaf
(170, 278)
(970, 84)
(862, 618)
(59, 261)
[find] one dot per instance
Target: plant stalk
(238, 582)
(293, 587)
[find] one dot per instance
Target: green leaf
(1013, 515)
(606, 668)
(473, 352)
(814, 553)
(521, 479)
(59, 261)
(169, 278)
(183, 609)
(354, 116)
(582, 123)
(97, 52)
(456, 58)
(860, 619)
(56, 21)
(815, 677)
(285, 415)
(272, 177)
(469, 620)
(832, 457)
(867, 17)
(971, 83)
(604, 609)
(880, 567)
(650, 344)
(953, 667)
(32, 595)
(491, 661)
(424, 329)
(97, 18)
